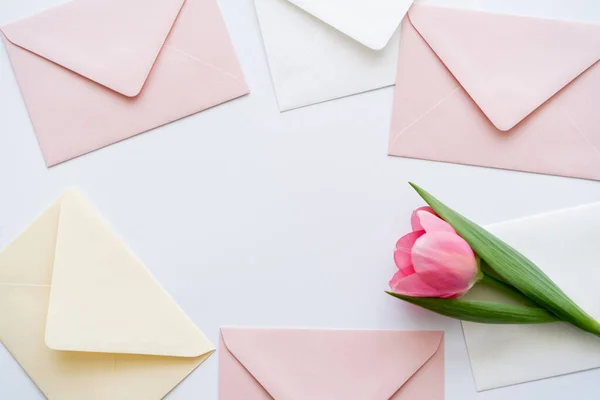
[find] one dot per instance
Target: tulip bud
(433, 260)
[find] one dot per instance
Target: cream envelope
(564, 244)
(293, 364)
(95, 72)
(311, 61)
(85, 319)
(498, 90)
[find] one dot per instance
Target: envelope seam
(437, 348)
(235, 356)
(416, 121)
(209, 65)
(580, 132)
(439, 345)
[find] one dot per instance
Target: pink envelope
(498, 91)
(292, 364)
(95, 72)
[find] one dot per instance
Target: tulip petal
(429, 222)
(445, 262)
(402, 254)
(414, 286)
(414, 218)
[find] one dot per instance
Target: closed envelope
(564, 244)
(498, 90)
(85, 319)
(291, 364)
(94, 72)
(327, 49)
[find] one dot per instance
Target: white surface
(312, 62)
(251, 217)
(564, 245)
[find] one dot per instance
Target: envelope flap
(103, 299)
(509, 65)
(319, 364)
(27, 260)
(111, 42)
(371, 23)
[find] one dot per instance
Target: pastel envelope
(564, 245)
(292, 364)
(498, 90)
(327, 49)
(85, 319)
(95, 72)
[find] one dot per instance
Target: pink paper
(266, 364)
(498, 91)
(95, 72)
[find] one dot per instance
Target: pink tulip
(433, 260)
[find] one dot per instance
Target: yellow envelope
(84, 317)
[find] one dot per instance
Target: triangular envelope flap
(509, 65)
(371, 23)
(318, 364)
(103, 299)
(111, 42)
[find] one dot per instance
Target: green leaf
(481, 311)
(514, 268)
(507, 290)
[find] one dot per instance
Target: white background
(250, 217)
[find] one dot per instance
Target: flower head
(433, 260)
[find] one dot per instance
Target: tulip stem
(486, 269)
(508, 290)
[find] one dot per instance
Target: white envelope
(85, 319)
(564, 244)
(371, 23)
(321, 50)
